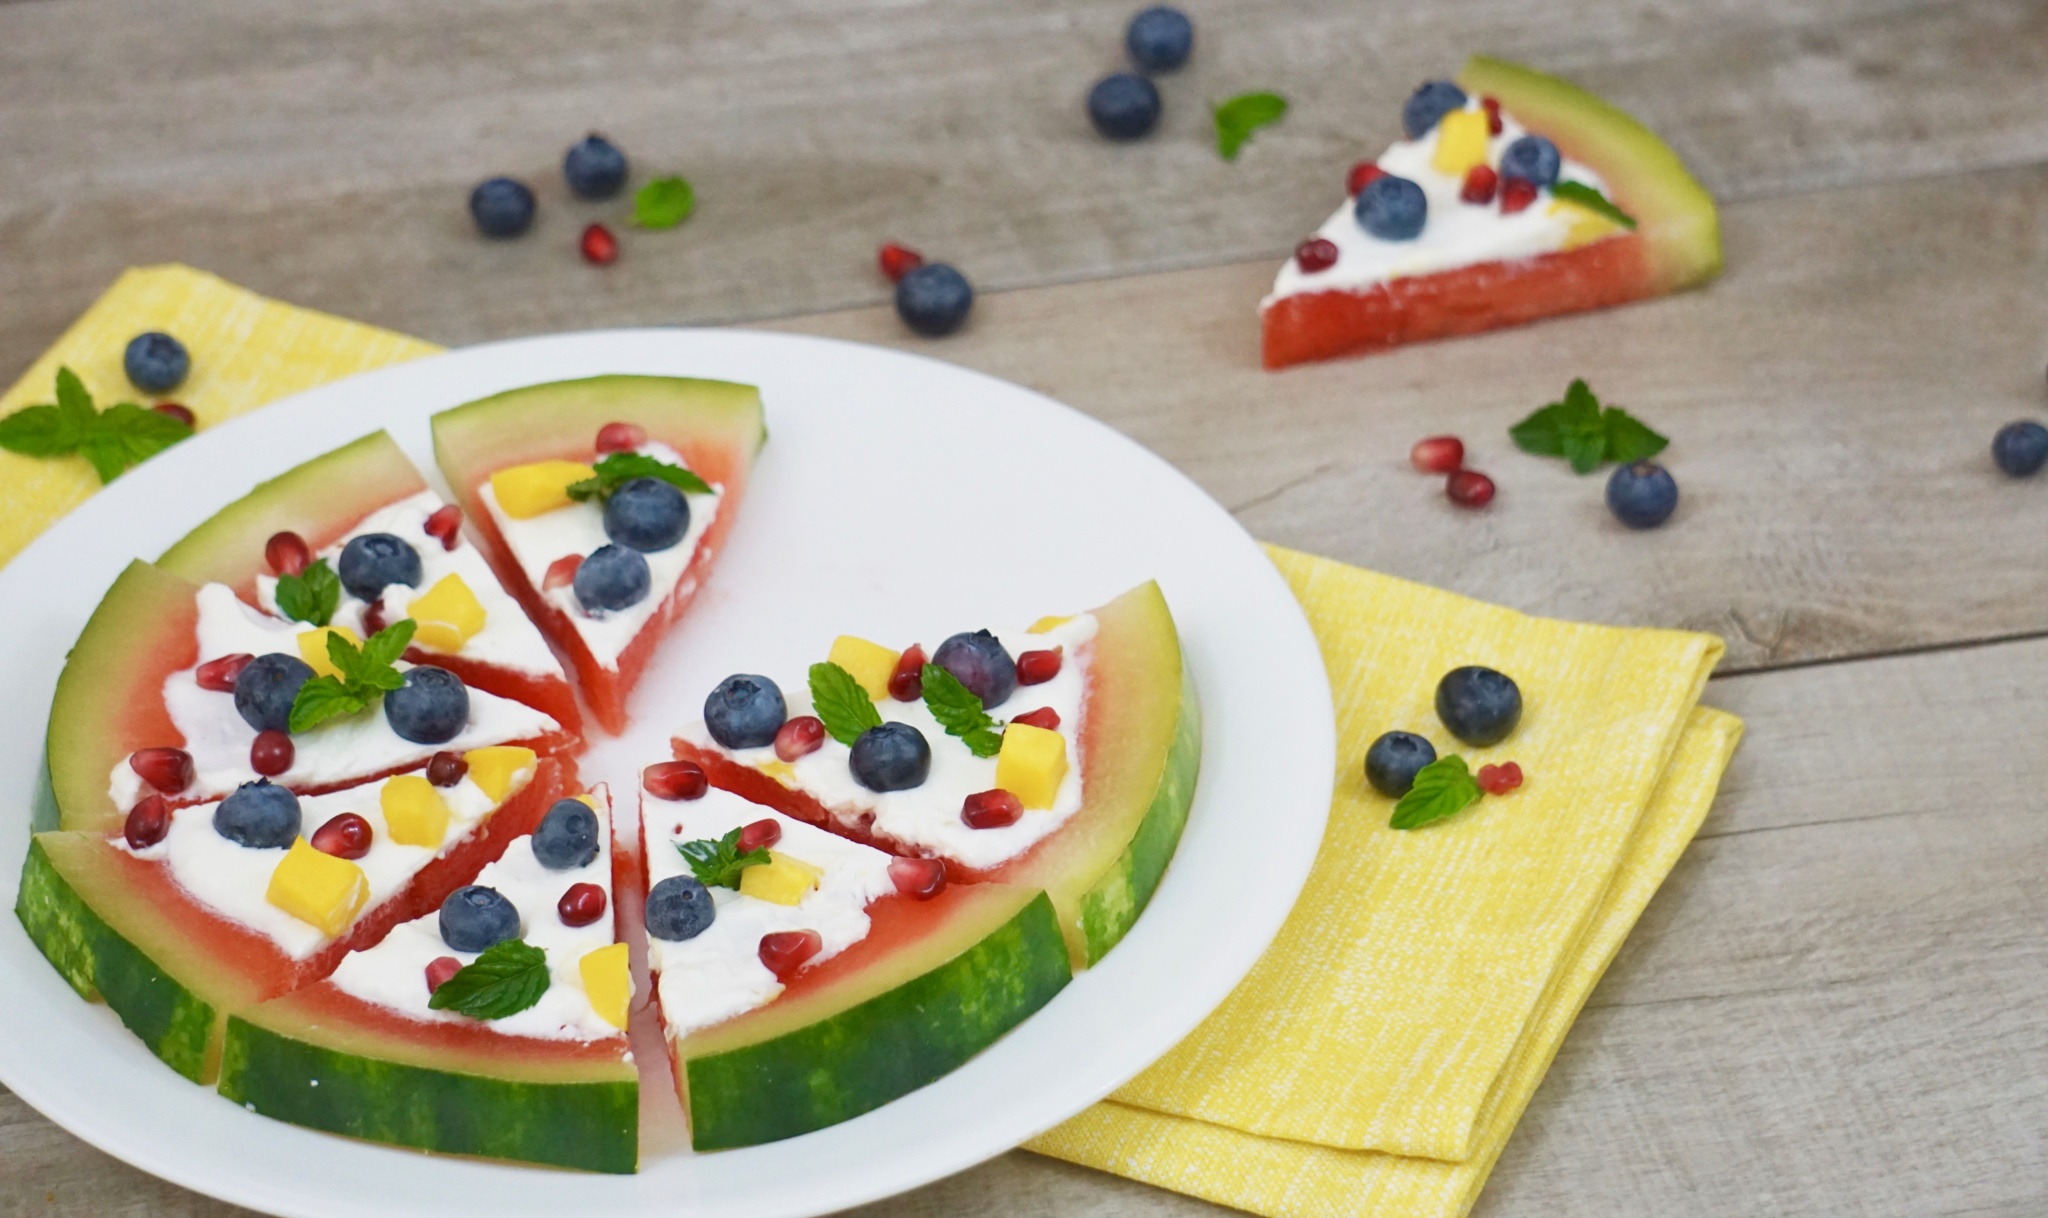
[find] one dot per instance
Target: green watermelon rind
(537, 422)
(1111, 906)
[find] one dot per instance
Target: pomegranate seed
(1362, 175)
(581, 905)
(1469, 488)
(445, 769)
(906, 684)
(1516, 194)
(1492, 107)
(219, 675)
(1045, 717)
(991, 809)
(760, 834)
(1500, 779)
(271, 753)
(799, 737)
(675, 780)
(785, 951)
(439, 970)
(373, 618)
(599, 246)
(1038, 667)
(147, 822)
(345, 837)
(1437, 454)
(168, 770)
(561, 572)
(918, 879)
(1479, 185)
(445, 525)
(897, 261)
(181, 413)
(287, 553)
(620, 437)
(1316, 254)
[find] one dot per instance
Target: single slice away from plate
(607, 567)
(539, 1070)
(1564, 204)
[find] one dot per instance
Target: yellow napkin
(246, 351)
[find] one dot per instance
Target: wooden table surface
(1836, 1005)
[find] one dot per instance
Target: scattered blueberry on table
(1160, 38)
(501, 207)
(1642, 494)
(933, 299)
(594, 167)
(1124, 106)
(156, 362)
(1478, 705)
(2020, 448)
(1393, 761)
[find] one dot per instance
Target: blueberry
(647, 514)
(1531, 157)
(679, 908)
(2020, 448)
(567, 836)
(259, 816)
(1124, 106)
(1392, 209)
(1160, 38)
(370, 562)
(432, 707)
(892, 757)
(1426, 107)
(1393, 761)
(596, 169)
(745, 711)
(933, 299)
(156, 362)
(501, 207)
(265, 688)
(475, 917)
(1478, 705)
(612, 578)
(1642, 495)
(981, 664)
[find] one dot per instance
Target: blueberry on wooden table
(594, 167)
(933, 299)
(1478, 705)
(501, 207)
(1641, 494)
(2020, 448)
(745, 711)
(1124, 106)
(1160, 38)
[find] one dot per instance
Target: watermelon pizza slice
(1515, 196)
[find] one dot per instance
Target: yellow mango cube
(1032, 764)
(1461, 138)
(781, 771)
(500, 769)
(526, 491)
(781, 879)
(313, 648)
(870, 663)
(1049, 623)
(318, 889)
(414, 812)
(1586, 225)
(608, 983)
(446, 615)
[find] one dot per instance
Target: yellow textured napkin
(246, 351)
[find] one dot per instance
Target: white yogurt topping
(1456, 233)
(719, 974)
(339, 750)
(926, 818)
(393, 974)
(231, 879)
(579, 529)
(508, 639)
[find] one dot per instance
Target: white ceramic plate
(897, 498)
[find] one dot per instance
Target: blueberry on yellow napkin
(1377, 1058)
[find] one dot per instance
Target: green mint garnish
(664, 203)
(505, 980)
(366, 675)
(1237, 118)
(842, 705)
(112, 439)
(1578, 430)
(1592, 200)
(310, 596)
(960, 712)
(620, 468)
(718, 864)
(1442, 788)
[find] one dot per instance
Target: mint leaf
(1581, 432)
(842, 705)
(664, 203)
(321, 699)
(383, 648)
(112, 440)
(73, 400)
(1442, 788)
(960, 712)
(310, 596)
(620, 468)
(366, 674)
(40, 431)
(718, 864)
(1237, 118)
(126, 435)
(1629, 438)
(506, 979)
(1592, 200)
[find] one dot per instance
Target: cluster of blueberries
(1477, 705)
(1395, 209)
(1125, 105)
(504, 207)
(476, 917)
(643, 516)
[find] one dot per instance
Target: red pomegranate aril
(760, 834)
(620, 437)
(1516, 194)
(918, 879)
(147, 822)
(219, 675)
(1038, 667)
(168, 770)
(581, 905)
(906, 684)
(1480, 184)
(445, 769)
(373, 618)
(561, 572)
(1362, 175)
(1045, 717)
(897, 261)
(799, 737)
(176, 411)
(439, 970)
(287, 553)
(1316, 254)
(675, 780)
(599, 246)
(445, 525)
(1469, 488)
(785, 951)
(1492, 107)
(347, 836)
(1500, 779)
(1437, 454)
(995, 809)
(271, 753)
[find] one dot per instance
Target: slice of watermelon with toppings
(546, 1076)
(1607, 214)
(604, 576)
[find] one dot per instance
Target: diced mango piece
(608, 983)
(1032, 764)
(313, 648)
(587, 800)
(781, 771)
(526, 491)
(500, 769)
(870, 663)
(447, 615)
(1586, 225)
(782, 879)
(318, 889)
(1461, 139)
(1052, 622)
(414, 812)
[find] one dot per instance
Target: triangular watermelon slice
(512, 460)
(1517, 196)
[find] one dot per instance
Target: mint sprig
(960, 712)
(1581, 432)
(1237, 118)
(718, 864)
(620, 468)
(506, 979)
(664, 203)
(842, 705)
(112, 439)
(310, 596)
(1592, 200)
(367, 673)
(1442, 788)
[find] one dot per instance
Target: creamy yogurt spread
(218, 738)
(579, 529)
(508, 639)
(926, 818)
(1456, 233)
(393, 974)
(719, 974)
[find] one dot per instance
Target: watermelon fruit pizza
(1514, 196)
